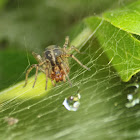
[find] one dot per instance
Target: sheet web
(102, 113)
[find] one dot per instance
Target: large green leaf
(121, 48)
(127, 18)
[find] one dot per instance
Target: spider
(54, 63)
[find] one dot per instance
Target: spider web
(102, 113)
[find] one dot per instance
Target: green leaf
(126, 18)
(121, 47)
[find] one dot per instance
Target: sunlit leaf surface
(127, 18)
(121, 48)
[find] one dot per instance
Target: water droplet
(129, 97)
(133, 97)
(72, 103)
(132, 103)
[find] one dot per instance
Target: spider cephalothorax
(54, 63)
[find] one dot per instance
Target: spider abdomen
(57, 75)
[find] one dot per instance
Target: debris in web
(11, 120)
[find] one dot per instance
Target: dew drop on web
(72, 103)
(133, 98)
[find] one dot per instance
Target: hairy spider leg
(36, 73)
(37, 57)
(66, 44)
(41, 69)
(71, 55)
(64, 78)
(74, 48)
(79, 62)
(63, 65)
(29, 70)
(27, 73)
(40, 64)
(53, 83)
(47, 74)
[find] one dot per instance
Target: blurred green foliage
(37, 24)
(13, 63)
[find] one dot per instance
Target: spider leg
(37, 67)
(71, 55)
(47, 74)
(27, 73)
(37, 57)
(66, 42)
(53, 83)
(63, 67)
(41, 69)
(29, 70)
(52, 78)
(74, 48)
(79, 62)
(64, 78)
(36, 75)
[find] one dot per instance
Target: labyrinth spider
(54, 63)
